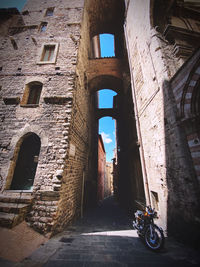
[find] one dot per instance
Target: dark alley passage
(104, 238)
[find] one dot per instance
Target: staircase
(14, 208)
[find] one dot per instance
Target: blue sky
(106, 124)
(12, 3)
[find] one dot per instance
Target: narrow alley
(104, 238)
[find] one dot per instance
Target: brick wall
(167, 161)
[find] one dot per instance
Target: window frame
(42, 53)
(49, 12)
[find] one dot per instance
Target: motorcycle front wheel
(154, 239)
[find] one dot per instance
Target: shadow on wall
(182, 183)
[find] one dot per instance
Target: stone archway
(25, 162)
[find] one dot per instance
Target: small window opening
(154, 197)
(48, 53)
(34, 41)
(14, 44)
(1, 68)
(49, 12)
(25, 13)
(43, 26)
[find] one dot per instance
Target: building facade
(108, 184)
(50, 73)
(101, 170)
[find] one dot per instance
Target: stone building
(51, 70)
(101, 169)
(108, 183)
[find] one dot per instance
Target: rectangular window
(49, 12)
(43, 27)
(48, 53)
(34, 95)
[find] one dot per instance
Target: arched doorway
(26, 163)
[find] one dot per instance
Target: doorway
(26, 163)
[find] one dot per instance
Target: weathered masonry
(50, 74)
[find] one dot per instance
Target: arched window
(32, 94)
(26, 162)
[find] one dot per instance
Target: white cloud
(106, 138)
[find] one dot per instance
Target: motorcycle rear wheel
(156, 241)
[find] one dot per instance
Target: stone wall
(150, 68)
(51, 119)
(65, 118)
(147, 68)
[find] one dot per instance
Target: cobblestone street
(104, 238)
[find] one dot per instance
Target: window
(48, 53)
(43, 26)
(13, 42)
(32, 94)
(49, 12)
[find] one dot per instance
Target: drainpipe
(145, 179)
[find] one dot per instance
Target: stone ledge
(57, 100)
(11, 100)
(49, 195)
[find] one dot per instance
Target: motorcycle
(146, 228)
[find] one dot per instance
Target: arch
(106, 112)
(105, 16)
(30, 128)
(24, 163)
(105, 82)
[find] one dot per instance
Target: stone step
(14, 207)
(16, 199)
(9, 220)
